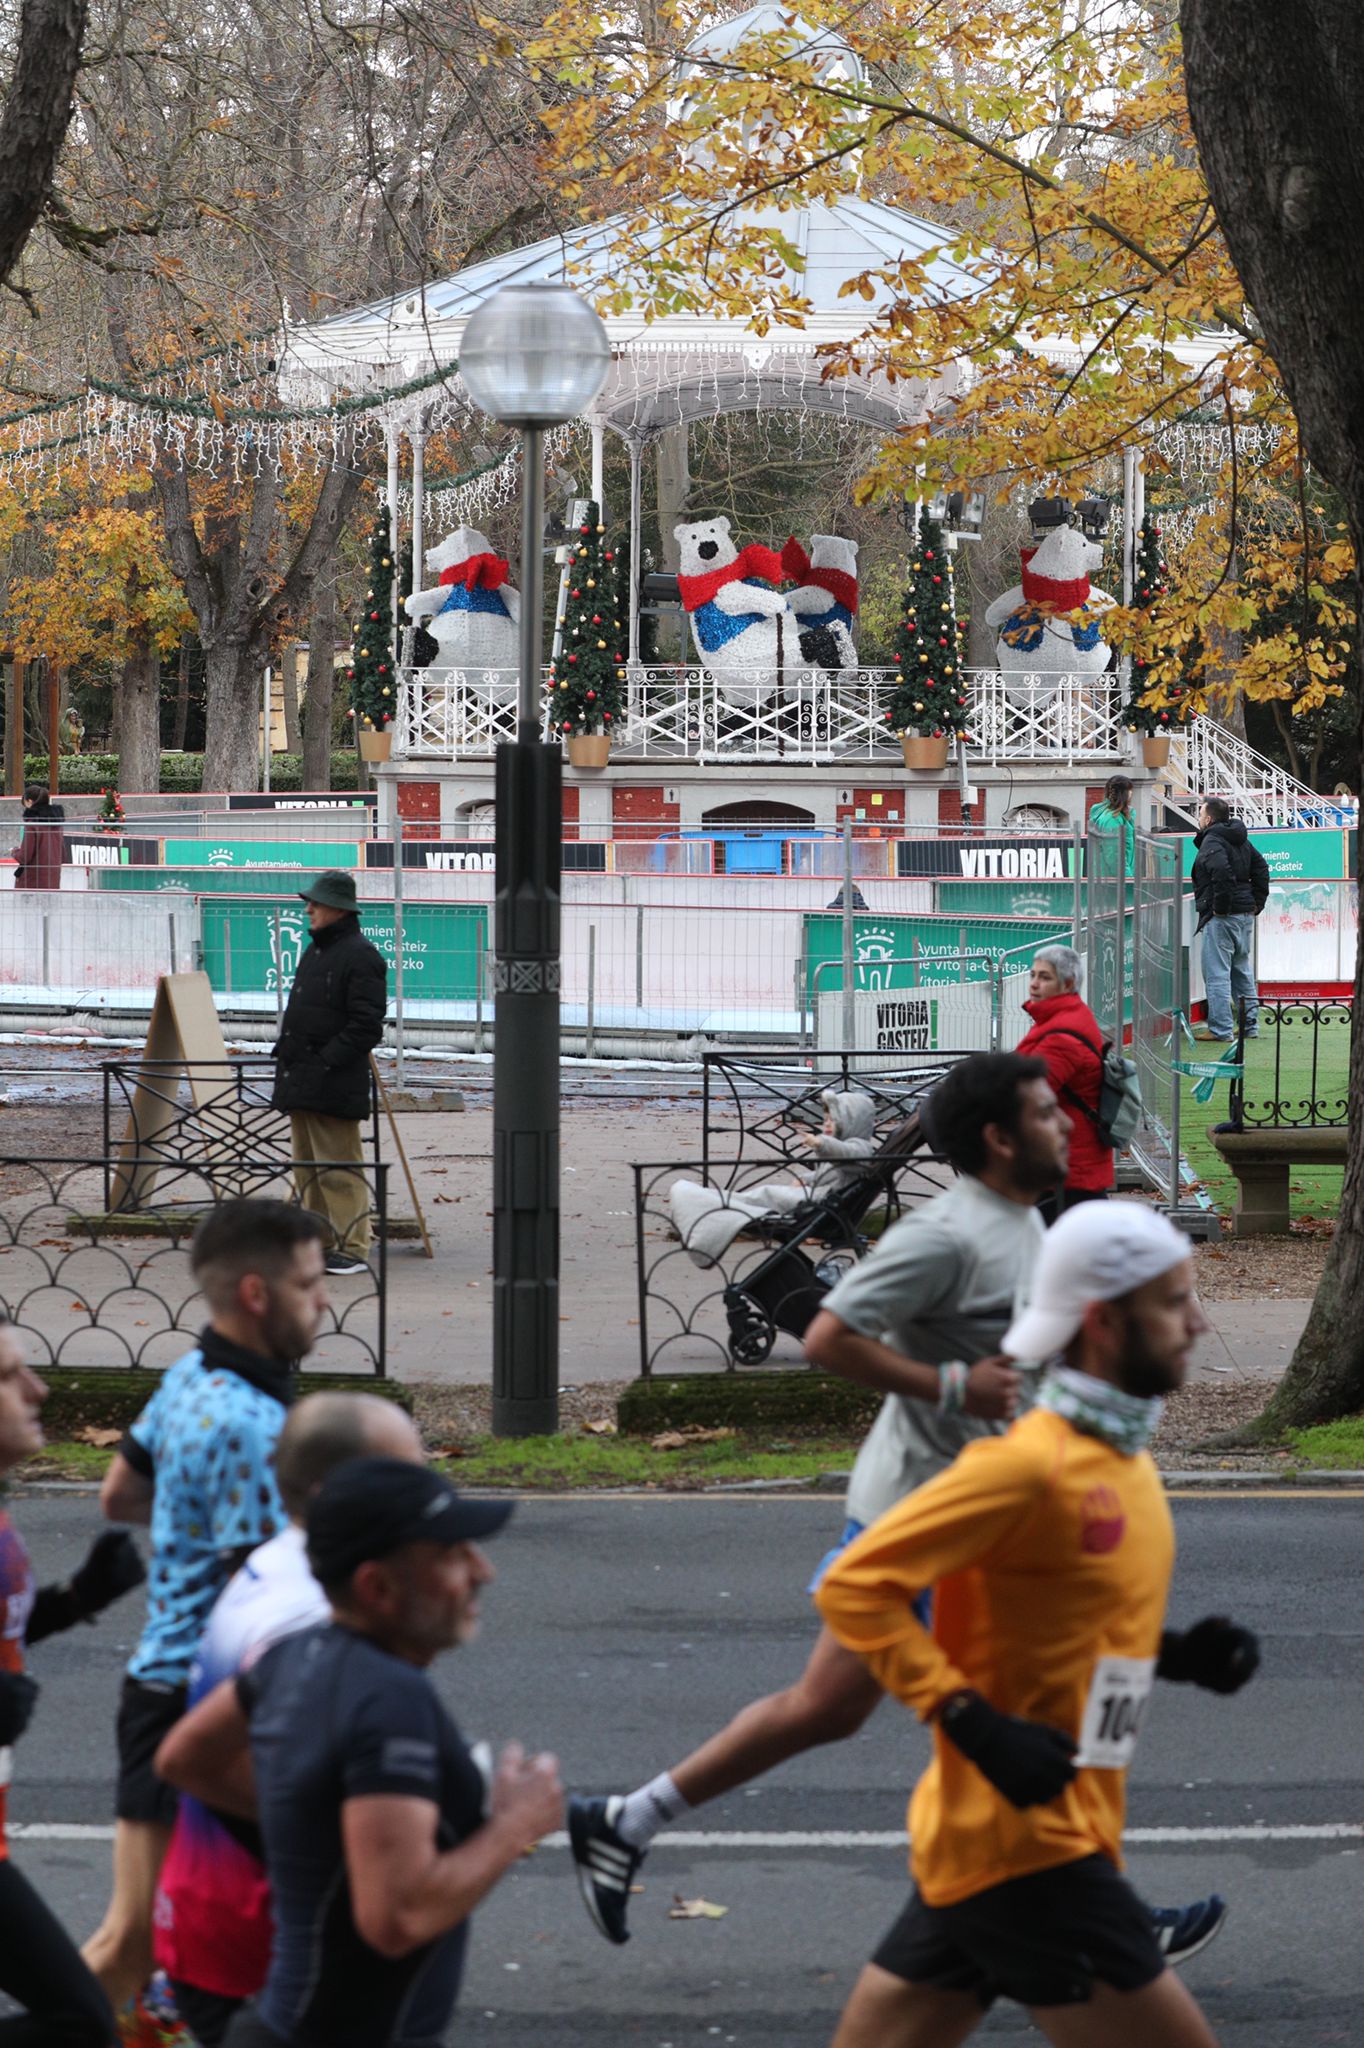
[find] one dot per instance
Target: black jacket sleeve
(365, 1001)
(1259, 880)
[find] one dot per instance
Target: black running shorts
(146, 1714)
(1042, 1940)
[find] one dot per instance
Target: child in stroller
(709, 1219)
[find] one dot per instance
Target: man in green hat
(334, 1018)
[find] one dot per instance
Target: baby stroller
(784, 1289)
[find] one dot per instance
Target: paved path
(440, 1318)
(620, 1631)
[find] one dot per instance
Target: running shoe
(606, 1863)
(1181, 1931)
(150, 2021)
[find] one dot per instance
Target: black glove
(1214, 1653)
(18, 1695)
(1030, 1763)
(112, 1568)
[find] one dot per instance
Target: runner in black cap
(379, 1834)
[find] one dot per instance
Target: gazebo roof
(677, 366)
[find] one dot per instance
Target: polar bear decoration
(1048, 626)
(474, 612)
(825, 601)
(739, 619)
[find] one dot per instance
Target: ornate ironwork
(1321, 1101)
(150, 1109)
(747, 1304)
(759, 1104)
(96, 1292)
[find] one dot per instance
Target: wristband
(952, 1386)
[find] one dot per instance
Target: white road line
(818, 1838)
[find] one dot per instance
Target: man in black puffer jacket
(1230, 885)
(334, 1018)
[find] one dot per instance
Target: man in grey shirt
(921, 1318)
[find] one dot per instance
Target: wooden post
(14, 729)
(54, 705)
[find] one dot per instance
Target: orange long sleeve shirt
(1050, 1555)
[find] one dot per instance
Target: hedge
(88, 774)
(112, 1399)
(750, 1400)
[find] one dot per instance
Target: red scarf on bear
(754, 560)
(480, 572)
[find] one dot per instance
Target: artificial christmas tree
(928, 703)
(110, 817)
(1155, 665)
(371, 675)
(587, 683)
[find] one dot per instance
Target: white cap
(1095, 1252)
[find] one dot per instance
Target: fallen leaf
(605, 1427)
(678, 1439)
(103, 1437)
(695, 1909)
(451, 1451)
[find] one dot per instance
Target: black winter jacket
(335, 1016)
(1230, 879)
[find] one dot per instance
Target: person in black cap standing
(334, 1019)
(380, 1834)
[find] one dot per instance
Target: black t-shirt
(333, 1717)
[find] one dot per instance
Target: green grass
(1331, 1446)
(562, 1464)
(1314, 1191)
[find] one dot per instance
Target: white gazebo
(683, 367)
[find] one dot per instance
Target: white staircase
(1206, 759)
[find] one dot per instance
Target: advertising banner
(313, 854)
(300, 800)
(476, 856)
(989, 860)
(442, 946)
(110, 850)
(893, 953)
(1301, 856)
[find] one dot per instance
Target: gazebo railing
(808, 716)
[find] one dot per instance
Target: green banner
(1301, 856)
(915, 952)
(442, 946)
(314, 854)
(1006, 899)
(201, 881)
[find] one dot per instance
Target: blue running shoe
(1181, 1931)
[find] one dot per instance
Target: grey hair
(1067, 962)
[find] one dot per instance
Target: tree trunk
(137, 716)
(234, 695)
(1275, 88)
(38, 108)
(288, 683)
(321, 685)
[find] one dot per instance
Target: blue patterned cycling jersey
(207, 1440)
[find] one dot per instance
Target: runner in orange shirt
(1050, 1550)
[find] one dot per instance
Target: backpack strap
(1100, 1052)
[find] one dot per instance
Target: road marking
(817, 1838)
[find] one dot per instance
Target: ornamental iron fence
(90, 1291)
(1294, 1067)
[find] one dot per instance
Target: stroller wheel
(751, 1331)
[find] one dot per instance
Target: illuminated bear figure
(1048, 625)
(739, 619)
(825, 602)
(473, 612)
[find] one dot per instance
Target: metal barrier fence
(1158, 1002)
(180, 1113)
(1294, 1073)
(94, 1292)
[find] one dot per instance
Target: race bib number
(1113, 1712)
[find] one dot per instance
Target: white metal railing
(807, 717)
(1209, 760)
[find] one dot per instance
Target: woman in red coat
(1065, 1035)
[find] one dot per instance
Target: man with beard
(197, 1467)
(1049, 1552)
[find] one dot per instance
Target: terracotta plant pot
(1155, 749)
(924, 753)
(588, 749)
(376, 745)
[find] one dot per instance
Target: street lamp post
(533, 356)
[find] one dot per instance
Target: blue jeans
(1228, 945)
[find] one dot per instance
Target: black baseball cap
(369, 1507)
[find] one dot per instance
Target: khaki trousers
(336, 1192)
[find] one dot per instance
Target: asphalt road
(622, 1630)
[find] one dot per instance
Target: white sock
(646, 1811)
